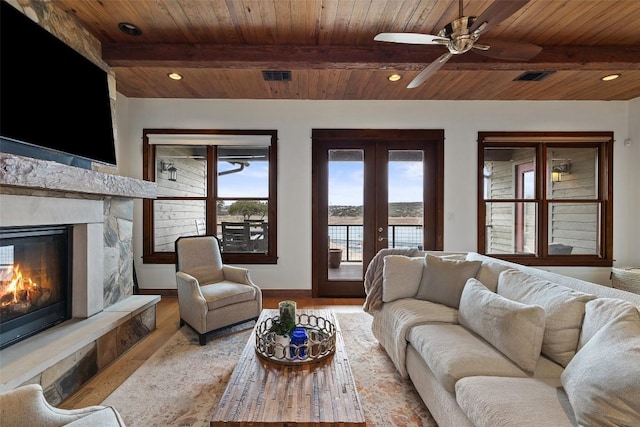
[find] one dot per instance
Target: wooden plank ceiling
(221, 48)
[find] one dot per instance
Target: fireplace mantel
(21, 173)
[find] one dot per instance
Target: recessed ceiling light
(610, 77)
(129, 29)
(394, 77)
(175, 76)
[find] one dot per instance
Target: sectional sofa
(492, 343)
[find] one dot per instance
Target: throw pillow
(513, 328)
(563, 306)
(598, 313)
(400, 277)
(443, 280)
(602, 381)
(489, 272)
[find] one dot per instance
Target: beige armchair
(26, 406)
(212, 295)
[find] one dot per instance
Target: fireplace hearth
(35, 280)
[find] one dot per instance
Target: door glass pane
(501, 168)
(572, 173)
(573, 228)
(405, 199)
(511, 228)
(345, 214)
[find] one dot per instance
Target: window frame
(150, 256)
(542, 141)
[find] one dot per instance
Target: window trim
(541, 141)
(149, 174)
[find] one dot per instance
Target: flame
(13, 284)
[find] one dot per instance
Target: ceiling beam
(382, 56)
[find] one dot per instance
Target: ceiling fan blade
(515, 51)
(410, 38)
(429, 71)
(496, 13)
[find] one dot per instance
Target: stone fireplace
(106, 317)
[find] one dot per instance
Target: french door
(372, 189)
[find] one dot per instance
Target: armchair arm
(28, 403)
(193, 306)
(236, 274)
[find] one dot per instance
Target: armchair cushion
(225, 293)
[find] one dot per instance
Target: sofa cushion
(522, 402)
(489, 273)
(563, 306)
(392, 323)
(515, 329)
(401, 276)
(453, 352)
(443, 279)
(603, 379)
(598, 313)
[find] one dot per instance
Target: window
(219, 182)
(546, 198)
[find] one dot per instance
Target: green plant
(284, 324)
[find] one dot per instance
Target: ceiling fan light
(394, 77)
(610, 77)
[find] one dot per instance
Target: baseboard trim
(266, 293)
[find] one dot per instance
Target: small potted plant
(283, 325)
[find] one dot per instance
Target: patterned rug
(181, 384)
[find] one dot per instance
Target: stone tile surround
(107, 318)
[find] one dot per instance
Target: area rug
(182, 383)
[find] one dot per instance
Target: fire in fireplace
(35, 280)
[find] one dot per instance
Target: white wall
(461, 121)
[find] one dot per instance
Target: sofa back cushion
(513, 328)
(603, 379)
(489, 273)
(443, 279)
(598, 313)
(564, 310)
(401, 276)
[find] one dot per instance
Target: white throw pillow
(563, 306)
(513, 328)
(489, 273)
(443, 279)
(598, 313)
(602, 380)
(400, 277)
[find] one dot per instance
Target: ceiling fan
(461, 35)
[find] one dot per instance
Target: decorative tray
(319, 343)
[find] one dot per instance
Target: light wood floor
(94, 391)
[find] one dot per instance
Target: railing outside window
(349, 239)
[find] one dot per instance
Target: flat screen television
(54, 102)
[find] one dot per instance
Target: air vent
(276, 76)
(533, 76)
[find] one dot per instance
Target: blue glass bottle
(298, 338)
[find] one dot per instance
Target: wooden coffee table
(264, 393)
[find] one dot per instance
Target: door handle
(380, 238)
